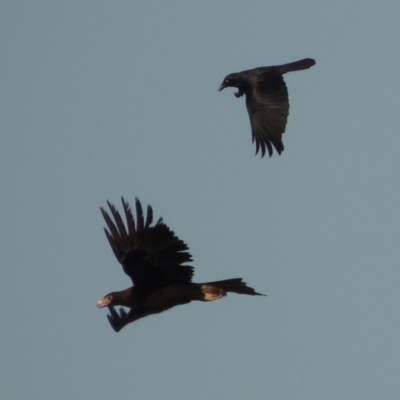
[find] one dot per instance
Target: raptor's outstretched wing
(150, 255)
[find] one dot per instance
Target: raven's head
(233, 80)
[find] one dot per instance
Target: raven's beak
(222, 86)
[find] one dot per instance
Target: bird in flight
(155, 260)
(267, 101)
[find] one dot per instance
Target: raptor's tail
(235, 285)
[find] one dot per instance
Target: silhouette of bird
(154, 258)
(267, 101)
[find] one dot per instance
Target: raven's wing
(150, 255)
(268, 107)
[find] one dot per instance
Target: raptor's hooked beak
(103, 302)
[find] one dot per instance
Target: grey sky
(107, 99)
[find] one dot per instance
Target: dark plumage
(266, 100)
(153, 257)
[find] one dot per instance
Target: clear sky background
(103, 99)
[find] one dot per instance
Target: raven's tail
(295, 66)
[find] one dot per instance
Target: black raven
(153, 257)
(267, 101)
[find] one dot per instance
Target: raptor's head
(106, 301)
